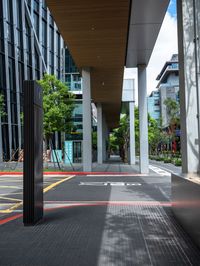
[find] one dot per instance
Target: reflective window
(2, 71)
(36, 5)
(1, 36)
(11, 66)
(28, 43)
(36, 23)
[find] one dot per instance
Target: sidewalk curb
(74, 173)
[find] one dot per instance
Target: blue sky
(172, 8)
(165, 46)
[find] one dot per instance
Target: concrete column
(132, 131)
(87, 121)
(99, 134)
(105, 130)
(143, 121)
(107, 140)
(188, 87)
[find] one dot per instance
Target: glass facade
(74, 82)
(153, 102)
(72, 75)
(30, 45)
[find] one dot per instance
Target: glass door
(77, 151)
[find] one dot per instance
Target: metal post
(33, 154)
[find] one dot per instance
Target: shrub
(159, 159)
(167, 160)
(178, 162)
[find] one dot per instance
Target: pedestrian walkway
(101, 220)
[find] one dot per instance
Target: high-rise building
(168, 86)
(153, 102)
(30, 45)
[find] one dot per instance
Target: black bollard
(33, 153)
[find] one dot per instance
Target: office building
(30, 45)
(73, 81)
(168, 86)
(153, 102)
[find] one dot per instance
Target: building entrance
(77, 151)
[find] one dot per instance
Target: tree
(58, 105)
(121, 137)
(137, 130)
(113, 144)
(156, 136)
(173, 113)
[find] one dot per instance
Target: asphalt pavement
(96, 219)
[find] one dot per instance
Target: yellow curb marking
(10, 210)
(57, 183)
(4, 204)
(8, 194)
(6, 198)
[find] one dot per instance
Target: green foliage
(155, 133)
(167, 160)
(137, 134)
(156, 137)
(173, 111)
(58, 105)
(178, 162)
(120, 137)
(94, 140)
(159, 158)
(113, 144)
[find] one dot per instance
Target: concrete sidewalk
(114, 164)
(101, 220)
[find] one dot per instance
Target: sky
(165, 46)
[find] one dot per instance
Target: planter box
(186, 203)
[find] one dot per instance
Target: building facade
(153, 102)
(74, 82)
(30, 45)
(168, 86)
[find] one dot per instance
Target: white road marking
(159, 171)
(115, 175)
(119, 184)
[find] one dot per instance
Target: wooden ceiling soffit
(96, 34)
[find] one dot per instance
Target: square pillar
(87, 121)
(132, 131)
(105, 138)
(189, 95)
(99, 134)
(143, 120)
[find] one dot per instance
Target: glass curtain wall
(30, 45)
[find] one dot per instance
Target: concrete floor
(101, 220)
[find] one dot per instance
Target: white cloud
(165, 46)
